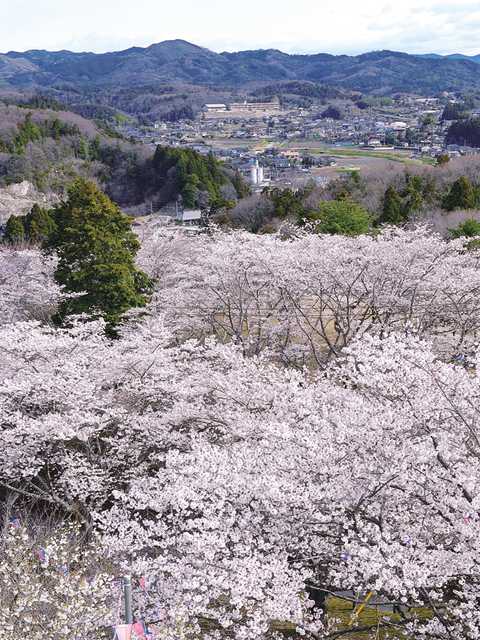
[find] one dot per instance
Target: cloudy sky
(334, 26)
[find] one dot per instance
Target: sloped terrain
(178, 61)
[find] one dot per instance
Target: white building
(256, 173)
(215, 108)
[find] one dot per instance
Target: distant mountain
(451, 56)
(178, 61)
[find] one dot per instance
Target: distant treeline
(465, 132)
(29, 131)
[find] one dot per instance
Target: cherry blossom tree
(27, 288)
(234, 488)
(307, 297)
(52, 588)
(230, 483)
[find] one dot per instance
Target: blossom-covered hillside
(290, 416)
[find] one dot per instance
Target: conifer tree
(14, 230)
(39, 224)
(393, 211)
(461, 195)
(96, 256)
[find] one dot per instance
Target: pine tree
(461, 195)
(39, 224)
(393, 211)
(413, 194)
(96, 256)
(14, 230)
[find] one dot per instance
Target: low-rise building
(215, 108)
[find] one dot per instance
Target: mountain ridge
(179, 61)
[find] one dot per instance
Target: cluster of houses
(231, 130)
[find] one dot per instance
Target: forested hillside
(177, 61)
(49, 148)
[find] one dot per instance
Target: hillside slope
(177, 61)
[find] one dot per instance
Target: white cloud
(301, 26)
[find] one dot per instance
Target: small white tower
(253, 172)
(260, 175)
(256, 173)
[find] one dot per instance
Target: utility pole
(127, 597)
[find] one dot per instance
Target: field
(333, 151)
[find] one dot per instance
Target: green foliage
(303, 88)
(14, 230)
(96, 251)
(462, 195)
(95, 149)
(393, 211)
(39, 224)
(469, 229)
(29, 131)
(428, 120)
(464, 133)
(398, 206)
(240, 186)
(442, 159)
(390, 138)
(332, 112)
(413, 194)
(42, 102)
(83, 150)
(342, 217)
(362, 104)
(413, 136)
(287, 204)
(189, 174)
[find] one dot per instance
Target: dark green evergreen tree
(287, 204)
(393, 210)
(96, 256)
(461, 195)
(14, 230)
(39, 224)
(413, 194)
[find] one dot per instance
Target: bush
(342, 217)
(468, 229)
